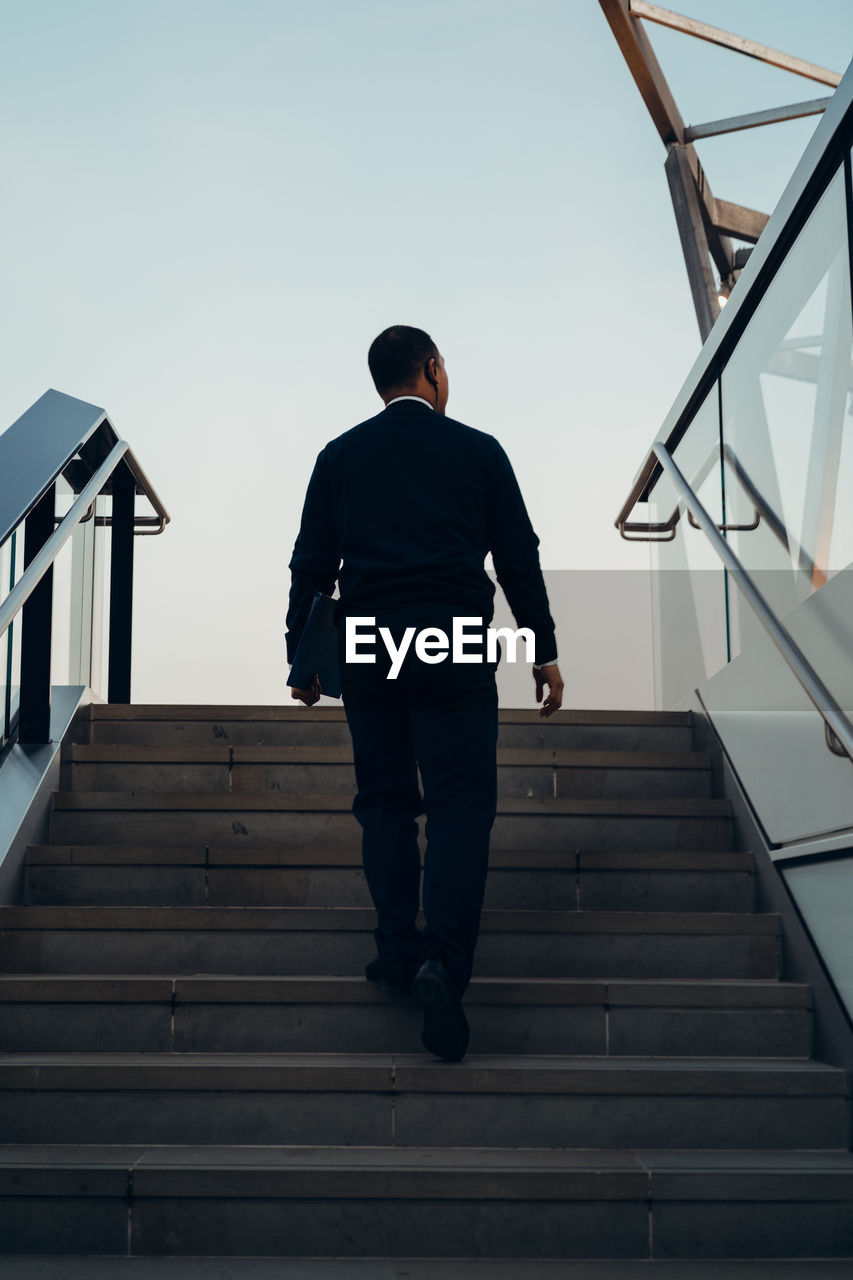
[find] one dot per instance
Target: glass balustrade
(79, 620)
(786, 414)
(79, 603)
(786, 455)
(769, 453)
(690, 630)
(11, 568)
(76, 632)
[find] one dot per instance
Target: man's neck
(410, 397)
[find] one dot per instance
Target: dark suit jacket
(412, 502)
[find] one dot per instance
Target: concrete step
(116, 817)
(236, 1014)
(535, 771)
(175, 726)
(89, 1267)
(411, 1101)
(186, 988)
(322, 941)
(431, 1202)
(317, 875)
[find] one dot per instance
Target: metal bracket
(143, 526)
(834, 743)
(643, 532)
(730, 528)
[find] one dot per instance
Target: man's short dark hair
(398, 356)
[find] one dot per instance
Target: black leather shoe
(445, 1031)
(390, 976)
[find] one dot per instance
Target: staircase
(195, 1065)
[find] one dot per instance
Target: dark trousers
(443, 719)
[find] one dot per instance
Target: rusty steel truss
(707, 226)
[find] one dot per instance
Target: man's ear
(431, 371)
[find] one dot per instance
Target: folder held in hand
(317, 651)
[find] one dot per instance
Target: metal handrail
(836, 724)
(820, 160)
(45, 556)
(640, 531)
(143, 526)
(700, 475)
(63, 437)
(57, 436)
(150, 493)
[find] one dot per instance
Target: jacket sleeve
(515, 552)
(316, 553)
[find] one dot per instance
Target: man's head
(406, 362)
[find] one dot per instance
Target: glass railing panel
(787, 484)
(60, 640)
(11, 568)
(99, 645)
(74, 581)
(5, 639)
(690, 637)
(81, 600)
(786, 422)
(11, 657)
(79, 618)
(823, 892)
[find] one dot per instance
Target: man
(412, 502)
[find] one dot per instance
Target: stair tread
(318, 855)
(341, 802)
(399, 1073)
(644, 1163)
(172, 1267)
(782, 1160)
(84, 753)
(363, 918)
(192, 711)
(308, 988)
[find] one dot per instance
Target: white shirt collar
(398, 398)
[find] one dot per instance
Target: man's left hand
(551, 677)
(308, 696)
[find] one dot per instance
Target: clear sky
(211, 208)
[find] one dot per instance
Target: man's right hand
(308, 696)
(549, 675)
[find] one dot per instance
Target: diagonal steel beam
(689, 215)
(738, 221)
(704, 223)
(645, 68)
(718, 242)
(754, 119)
(715, 35)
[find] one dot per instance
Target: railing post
(121, 586)
(36, 625)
